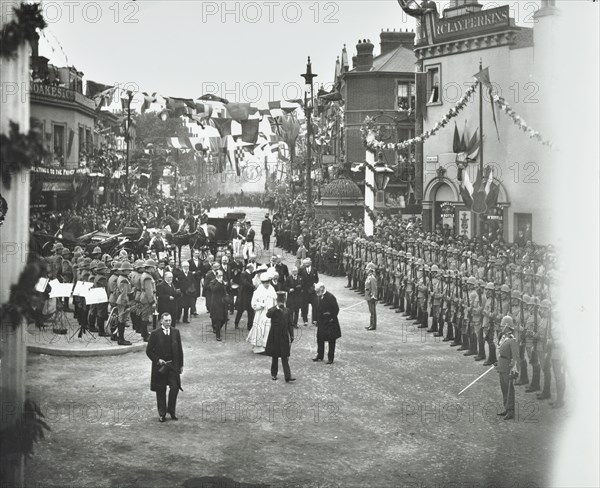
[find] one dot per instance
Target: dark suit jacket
(266, 229)
(293, 297)
(187, 285)
(281, 333)
(165, 304)
(218, 307)
(198, 273)
(283, 271)
(245, 291)
(168, 348)
(328, 327)
(308, 280)
(250, 236)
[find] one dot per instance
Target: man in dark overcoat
(244, 300)
(293, 287)
(166, 353)
(309, 276)
(185, 281)
(328, 326)
(219, 303)
(168, 297)
(280, 337)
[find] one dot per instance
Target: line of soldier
(130, 288)
(446, 288)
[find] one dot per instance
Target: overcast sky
(243, 51)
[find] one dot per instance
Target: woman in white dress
(263, 299)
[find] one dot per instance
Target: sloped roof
(400, 60)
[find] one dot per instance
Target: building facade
(383, 88)
(450, 50)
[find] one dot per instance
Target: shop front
(445, 212)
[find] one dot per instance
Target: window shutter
(421, 109)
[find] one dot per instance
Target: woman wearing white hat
(263, 299)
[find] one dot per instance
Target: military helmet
(481, 283)
(505, 289)
(125, 266)
(116, 266)
(138, 264)
(516, 295)
(435, 269)
(546, 303)
(527, 300)
(97, 250)
(490, 286)
(472, 281)
(100, 266)
(65, 251)
(507, 321)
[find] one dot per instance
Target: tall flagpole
(482, 216)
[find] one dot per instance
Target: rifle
(469, 312)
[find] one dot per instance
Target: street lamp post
(377, 177)
(126, 105)
(309, 76)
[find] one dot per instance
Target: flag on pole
(484, 78)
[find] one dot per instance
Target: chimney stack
(388, 41)
(363, 61)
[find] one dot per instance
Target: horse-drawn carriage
(131, 239)
(213, 236)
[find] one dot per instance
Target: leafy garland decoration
(370, 187)
(20, 151)
(373, 145)
(372, 215)
(24, 301)
(18, 438)
(518, 120)
(28, 18)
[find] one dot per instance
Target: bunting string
(373, 145)
(518, 120)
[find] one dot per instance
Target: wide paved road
(385, 414)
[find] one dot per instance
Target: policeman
(507, 366)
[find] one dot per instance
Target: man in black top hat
(281, 336)
(266, 230)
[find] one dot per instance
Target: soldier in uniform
(136, 286)
(544, 348)
(435, 294)
(487, 328)
(371, 295)
(146, 297)
(100, 310)
(531, 344)
(475, 316)
(124, 292)
(507, 367)
(520, 319)
(446, 313)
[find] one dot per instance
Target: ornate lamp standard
(126, 105)
(377, 177)
(309, 76)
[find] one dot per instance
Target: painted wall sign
(488, 20)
